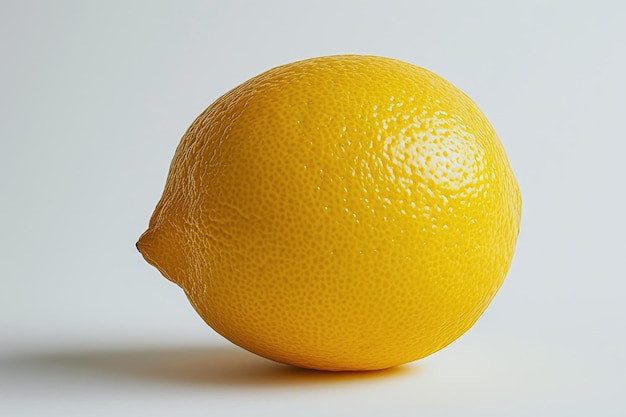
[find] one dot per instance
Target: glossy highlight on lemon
(338, 213)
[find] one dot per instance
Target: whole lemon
(338, 213)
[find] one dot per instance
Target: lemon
(338, 213)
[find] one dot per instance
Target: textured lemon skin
(338, 213)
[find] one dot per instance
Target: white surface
(94, 99)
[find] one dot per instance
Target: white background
(94, 98)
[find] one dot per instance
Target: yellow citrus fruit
(338, 213)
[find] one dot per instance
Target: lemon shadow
(220, 366)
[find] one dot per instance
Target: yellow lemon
(338, 213)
